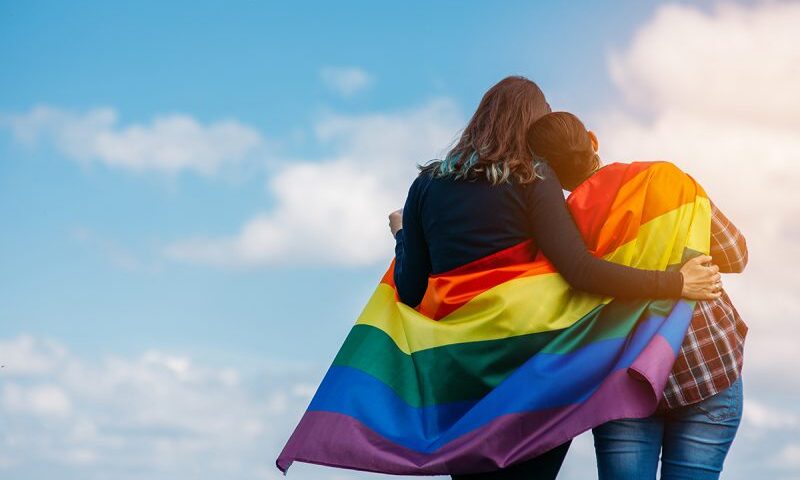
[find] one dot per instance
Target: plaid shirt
(710, 358)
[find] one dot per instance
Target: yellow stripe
(506, 310)
(660, 242)
(700, 233)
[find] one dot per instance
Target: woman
(701, 409)
(488, 194)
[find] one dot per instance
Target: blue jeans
(693, 441)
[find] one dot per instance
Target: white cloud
(769, 417)
(155, 415)
(738, 62)
(334, 210)
(347, 81)
(716, 92)
(169, 144)
(789, 456)
(45, 400)
(26, 356)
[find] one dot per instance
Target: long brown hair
(561, 139)
(494, 142)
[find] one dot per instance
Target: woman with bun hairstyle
(701, 408)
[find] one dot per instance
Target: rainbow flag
(502, 360)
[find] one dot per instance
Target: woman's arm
(412, 263)
(556, 234)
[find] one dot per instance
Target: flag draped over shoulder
(502, 360)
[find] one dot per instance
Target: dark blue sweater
(449, 222)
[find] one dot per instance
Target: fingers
(711, 270)
(701, 259)
(705, 295)
(708, 295)
(714, 291)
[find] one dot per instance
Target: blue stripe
(545, 381)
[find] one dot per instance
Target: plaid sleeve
(728, 246)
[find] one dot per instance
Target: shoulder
(418, 188)
(422, 180)
(547, 184)
(657, 167)
(667, 173)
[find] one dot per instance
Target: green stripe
(468, 371)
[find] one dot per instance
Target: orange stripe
(446, 293)
(591, 202)
(388, 277)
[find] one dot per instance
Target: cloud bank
(162, 415)
(155, 415)
(169, 144)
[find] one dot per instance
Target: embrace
(511, 320)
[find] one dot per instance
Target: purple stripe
(342, 441)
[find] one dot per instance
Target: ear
(593, 138)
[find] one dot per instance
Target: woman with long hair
(489, 193)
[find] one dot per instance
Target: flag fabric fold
(502, 360)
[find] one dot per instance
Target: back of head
(494, 142)
(561, 139)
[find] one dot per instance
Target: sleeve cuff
(674, 286)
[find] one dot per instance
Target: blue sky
(260, 65)
(176, 202)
